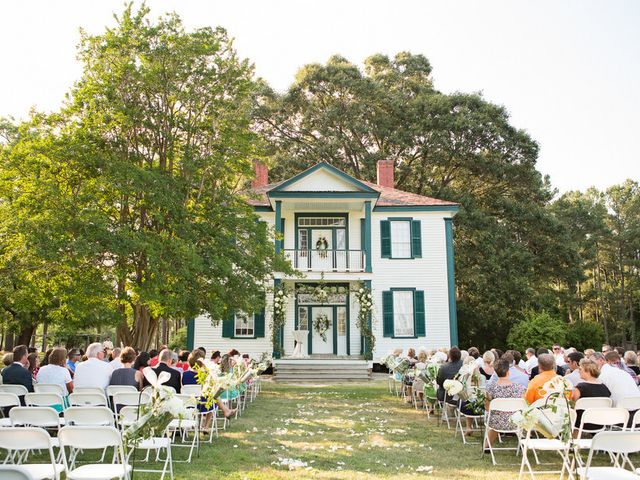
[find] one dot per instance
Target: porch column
(367, 236)
(451, 282)
(278, 225)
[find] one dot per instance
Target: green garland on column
(365, 299)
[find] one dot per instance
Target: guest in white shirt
(116, 363)
(95, 372)
(573, 370)
(617, 381)
(515, 374)
(559, 355)
(56, 371)
(532, 360)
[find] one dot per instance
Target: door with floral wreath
(322, 330)
(322, 249)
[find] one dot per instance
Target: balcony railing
(327, 260)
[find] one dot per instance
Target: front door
(322, 325)
(321, 249)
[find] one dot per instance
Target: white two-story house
(340, 231)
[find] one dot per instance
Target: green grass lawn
(347, 431)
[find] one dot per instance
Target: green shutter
(387, 313)
(228, 327)
(416, 239)
(282, 230)
(362, 227)
(258, 324)
(385, 238)
(418, 314)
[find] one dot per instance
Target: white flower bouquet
(155, 416)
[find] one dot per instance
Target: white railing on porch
(327, 260)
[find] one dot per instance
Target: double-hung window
(401, 238)
(403, 313)
(244, 325)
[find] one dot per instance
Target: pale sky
(567, 71)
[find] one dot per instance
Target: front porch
(322, 369)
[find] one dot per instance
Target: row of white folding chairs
(74, 438)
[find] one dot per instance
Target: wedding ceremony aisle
(344, 431)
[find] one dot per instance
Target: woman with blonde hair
(57, 373)
(486, 369)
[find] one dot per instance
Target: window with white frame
(244, 325)
(322, 222)
(403, 313)
(401, 239)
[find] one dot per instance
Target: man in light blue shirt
(515, 374)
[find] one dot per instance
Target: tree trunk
(142, 334)
(24, 337)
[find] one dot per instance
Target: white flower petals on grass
(290, 463)
(425, 469)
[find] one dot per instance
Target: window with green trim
(244, 325)
(401, 238)
(403, 313)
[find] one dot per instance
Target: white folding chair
(629, 403)
(504, 405)
(603, 418)
(125, 399)
(619, 445)
(529, 444)
(93, 438)
(593, 402)
(89, 416)
(91, 399)
(113, 389)
(127, 416)
(43, 417)
(635, 422)
(7, 400)
(474, 419)
(49, 388)
(43, 399)
(24, 439)
(88, 390)
(194, 390)
(149, 389)
(15, 472)
(19, 390)
(182, 427)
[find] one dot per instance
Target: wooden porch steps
(321, 369)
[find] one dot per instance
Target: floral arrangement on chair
(466, 386)
(155, 416)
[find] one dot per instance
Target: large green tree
(460, 147)
(142, 172)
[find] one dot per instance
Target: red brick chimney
(385, 173)
(261, 174)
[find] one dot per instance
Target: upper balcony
(330, 260)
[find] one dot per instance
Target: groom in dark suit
(17, 373)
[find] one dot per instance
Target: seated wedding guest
(621, 365)
(94, 372)
(72, 360)
(503, 387)
(204, 351)
(142, 361)
(215, 356)
(588, 352)
(619, 382)
(166, 363)
(536, 370)
(631, 361)
(547, 367)
(573, 368)
(34, 364)
(17, 373)
(448, 371)
(411, 356)
(127, 375)
(57, 373)
(153, 361)
(558, 353)
(183, 360)
(114, 359)
(515, 374)
(45, 359)
(422, 356)
(532, 361)
(246, 359)
(486, 369)
(589, 386)
(195, 361)
(7, 359)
